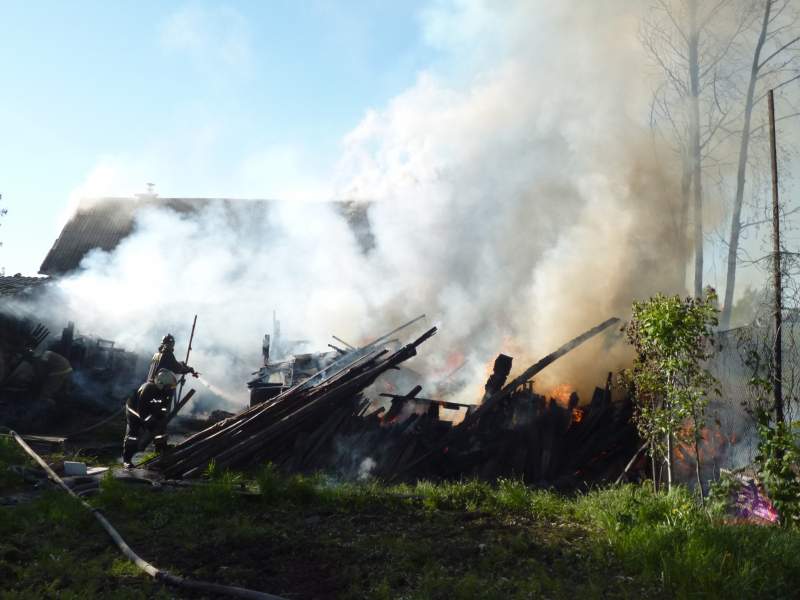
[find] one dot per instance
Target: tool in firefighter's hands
(188, 352)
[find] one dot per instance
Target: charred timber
(440, 403)
(531, 371)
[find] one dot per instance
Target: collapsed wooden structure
(326, 424)
(264, 431)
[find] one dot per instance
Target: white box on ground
(74, 468)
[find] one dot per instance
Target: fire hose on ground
(154, 572)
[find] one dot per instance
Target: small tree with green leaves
(673, 339)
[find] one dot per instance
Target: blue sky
(256, 99)
(203, 98)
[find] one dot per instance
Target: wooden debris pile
(298, 421)
(327, 424)
(544, 442)
(514, 432)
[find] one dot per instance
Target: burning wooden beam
(440, 403)
(537, 367)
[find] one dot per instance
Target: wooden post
(777, 373)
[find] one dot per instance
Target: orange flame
(561, 393)
(712, 443)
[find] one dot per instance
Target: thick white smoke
(521, 202)
(232, 266)
(515, 200)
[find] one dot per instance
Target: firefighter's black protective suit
(165, 359)
(146, 410)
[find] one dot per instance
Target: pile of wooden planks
(300, 419)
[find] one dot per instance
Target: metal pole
(777, 387)
(188, 352)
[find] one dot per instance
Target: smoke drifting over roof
(515, 199)
(521, 200)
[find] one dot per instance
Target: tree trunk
(744, 148)
(683, 218)
(653, 459)
(697, 465)
(694, 147)
(670, 459)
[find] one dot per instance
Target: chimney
(150, 194)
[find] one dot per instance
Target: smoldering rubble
(326, 422)
(329, 412)
(353, 412)
(53, 381)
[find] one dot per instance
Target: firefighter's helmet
(166, 379)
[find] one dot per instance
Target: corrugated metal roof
(19, 285)
(104, 222)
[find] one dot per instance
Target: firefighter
(146, 412)
(165, 359)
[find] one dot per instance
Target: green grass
(668, 538)
(52, 547)
(311, 536)
(664, 542)
(10, 455)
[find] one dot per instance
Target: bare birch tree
(775, 64)
(690, 42)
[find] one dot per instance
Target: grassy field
(310, 537)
